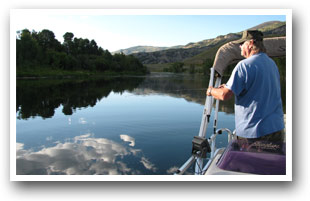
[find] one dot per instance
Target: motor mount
(200, 147)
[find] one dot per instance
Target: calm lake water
(113, 125)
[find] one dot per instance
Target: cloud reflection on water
(127, 138)
(83, 155)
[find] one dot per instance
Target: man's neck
(253, 53)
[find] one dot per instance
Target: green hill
(197, 53)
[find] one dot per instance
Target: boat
(240, 156)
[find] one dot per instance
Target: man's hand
(209, 90)
(221, 93)
(222, 85)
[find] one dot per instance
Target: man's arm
(221, 93)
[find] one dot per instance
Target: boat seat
(259, 157)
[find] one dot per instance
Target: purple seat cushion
(264, 158)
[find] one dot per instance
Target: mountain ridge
(148, 48)
(143, 48)
(196, 52)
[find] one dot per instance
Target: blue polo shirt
(255, 82)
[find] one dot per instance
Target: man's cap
(249, 35)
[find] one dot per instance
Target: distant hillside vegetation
(138, 49)
(266, 26)
(196, 53)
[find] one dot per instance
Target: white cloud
(82, 121)
(82, 155)
(172, 170)
(127, 138)
(147, 164)
(49, 138)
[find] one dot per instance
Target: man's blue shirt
(255, 82)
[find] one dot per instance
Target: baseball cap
(249, 35)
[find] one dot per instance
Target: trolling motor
(200, 147)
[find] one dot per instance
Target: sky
(121, 30)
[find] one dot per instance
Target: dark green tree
(27, 49)
(192, 69)
(207, 64)
(68, 42)
(41, 49)
(46, 40)
(177, 67)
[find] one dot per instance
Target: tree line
(43, 50)
(178, 67)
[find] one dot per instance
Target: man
(255, 82)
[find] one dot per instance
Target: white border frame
(15, 13)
